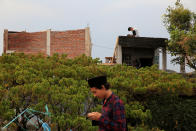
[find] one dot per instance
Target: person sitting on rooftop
(134, 31)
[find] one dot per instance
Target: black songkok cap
(97, 81)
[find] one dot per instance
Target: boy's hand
(94, 115)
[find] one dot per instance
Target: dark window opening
(126, 59)
(146, 62)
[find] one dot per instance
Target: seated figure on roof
(134, 32)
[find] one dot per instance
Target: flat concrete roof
(142, 42)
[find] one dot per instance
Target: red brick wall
(29, 43)
(71, 43)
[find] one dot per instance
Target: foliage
(181, 25)
(59, 82)
(33, 81)
(178, 114)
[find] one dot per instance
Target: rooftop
(145, 42)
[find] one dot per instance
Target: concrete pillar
(119, 54)
(114, 58)
(164, 58)
(5, 41)
(88, 45)
(48, 42)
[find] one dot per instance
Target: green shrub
(151, 97)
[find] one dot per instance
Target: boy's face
(99, 93)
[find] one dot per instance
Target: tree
(181, 25)
(34, 81)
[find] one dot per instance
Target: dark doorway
(146, 62)
(126, 59)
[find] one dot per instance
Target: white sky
(107, 19)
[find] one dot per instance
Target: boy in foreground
(112, 117)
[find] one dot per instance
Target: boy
(112, 117)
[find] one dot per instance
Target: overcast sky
(107, 19)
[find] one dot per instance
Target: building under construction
(139, 51)
(71, 42)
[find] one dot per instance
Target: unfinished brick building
(71, 42)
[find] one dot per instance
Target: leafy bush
(151, 96)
